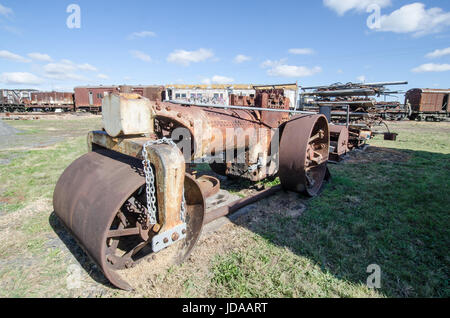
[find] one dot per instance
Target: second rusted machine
(132, 194)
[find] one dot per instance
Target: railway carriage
(428, 104)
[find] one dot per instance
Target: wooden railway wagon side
(428, 103)
(51, 101)
(152, 92)
(89, 98)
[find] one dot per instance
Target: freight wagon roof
(431, 90)
(234, 86)
(143, 86)
(279, 86)
(96, 86)
(48, 92)
(212, 86)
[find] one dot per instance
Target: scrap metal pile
(132, 194)
(351, 105)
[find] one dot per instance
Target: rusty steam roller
(132, 194)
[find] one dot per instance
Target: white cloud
(87, 67)
(343, 6)
(240, 58)
(5, 11)
(438, 53)
(218, 79)
(431, 67)
(40, 57)
(13, 57)
(305, 51)
(141, 35)
(415, 18)
(58, 68)
(103, 76)
(361, 78)
(281, 69)
(11, 29)
(270, 63)
(141, 56)
(339, 71)
(285, 70)
(185, 58)
(67, 70)
(20, 78)
(66, 76)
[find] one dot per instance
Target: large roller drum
(101, 199)
(304, 147)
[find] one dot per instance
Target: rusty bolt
(191, 123)
(183, 231)
(156, 228)
(168, 108)
(175, 236)
(179, 115)
(166, 240)
(110, 259)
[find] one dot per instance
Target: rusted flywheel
(100, 198)
(304, 147)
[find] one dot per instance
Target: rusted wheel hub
(101, 199)
(304, 148)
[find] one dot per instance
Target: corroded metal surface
(338, 140)
(209, 185)
(238, 204)
(99, 198)
(304, 150)
(89, 194)
(102, 196)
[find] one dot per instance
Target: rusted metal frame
(243, 107)
(130, 146)
(238, 204)
(169, 172)
(169, 169)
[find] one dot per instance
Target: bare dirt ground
(283, 246)
(43, 132)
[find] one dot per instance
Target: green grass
(266, 270)
(27, 181)
(393, 213)
(32, 172)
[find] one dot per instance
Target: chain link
(150, 181)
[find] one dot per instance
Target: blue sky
(160, 42)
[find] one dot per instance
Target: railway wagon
(15, 100)
(51, 101)
(152, 92)
(89, 98)
(428, 103)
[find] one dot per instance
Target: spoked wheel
(100, 198)
(304, 148)
(128, 233)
